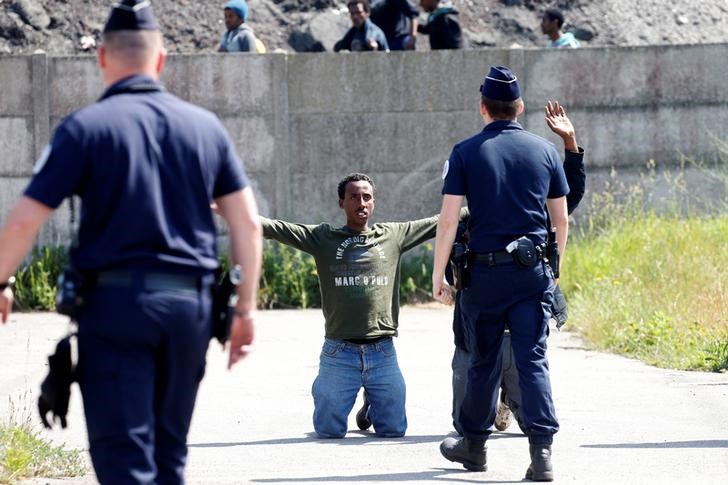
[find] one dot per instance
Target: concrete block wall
(302, 122)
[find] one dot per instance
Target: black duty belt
(491, 259)
(148, 280)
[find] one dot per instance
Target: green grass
(35, 288)
(24, 453)
(653, 287)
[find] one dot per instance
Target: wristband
(9, 283)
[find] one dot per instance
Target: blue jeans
(398, 43)
(345, 368)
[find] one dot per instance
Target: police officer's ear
(161, 58)
(521, 107)
(101, 56)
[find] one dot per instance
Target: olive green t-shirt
(358, 272)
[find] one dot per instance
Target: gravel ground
(66, 27)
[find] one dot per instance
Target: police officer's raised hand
(560, 124)
(242, 333)
(6, 304)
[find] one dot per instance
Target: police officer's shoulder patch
(40, 163)
(445, 169)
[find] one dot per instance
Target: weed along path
(621, 421)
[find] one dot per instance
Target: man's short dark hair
(501, 110)
(353, 177)
(364, 3)
(554, 14)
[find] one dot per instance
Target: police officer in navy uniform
(146, 166)
(508, 176)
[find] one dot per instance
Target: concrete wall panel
(632, 76)
(254, 141)
(16, 83)
(16, 146)
(226, 84)
(633, 136)
(394, 142)
(10, 190)
(372, 83)
(74, 82)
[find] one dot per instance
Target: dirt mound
(66, 27)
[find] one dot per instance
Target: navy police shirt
(506, 174)
(146, 165)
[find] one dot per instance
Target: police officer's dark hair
(554, 14)
(501, 110)
(364, 3)
(353, 177)
(134, 46)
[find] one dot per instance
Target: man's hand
(242, 333)
(6, 304)
(441, 291)
(373, 44)
(560, 124)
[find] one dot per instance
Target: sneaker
(503, 417)
(362, 417)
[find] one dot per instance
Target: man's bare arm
(559, 219)
(447, 227)
(240, 211)
(16, 239)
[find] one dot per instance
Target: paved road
(621, 421)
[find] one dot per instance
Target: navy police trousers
(141, 359)
(519, 298)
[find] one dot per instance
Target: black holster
(224, 294)
(69, 291)
(459, 265)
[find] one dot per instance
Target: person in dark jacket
(364, 35)
(442, 25)
(398, 21)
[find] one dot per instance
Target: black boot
(471, 453)
(540, 469)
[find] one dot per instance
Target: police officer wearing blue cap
(146, 166)
(508, 176)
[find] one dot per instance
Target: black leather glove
(55, 390)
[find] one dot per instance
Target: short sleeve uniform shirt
(506, 175)
(146, 166)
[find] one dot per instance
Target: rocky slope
(67, 27)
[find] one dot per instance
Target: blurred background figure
(364, 35)
(238, 37)
(551, 24)
(442, 25)
(398, 21)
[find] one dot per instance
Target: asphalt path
(621, 421)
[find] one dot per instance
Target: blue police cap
(239, 7)
(131, 15)
(501, 85)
